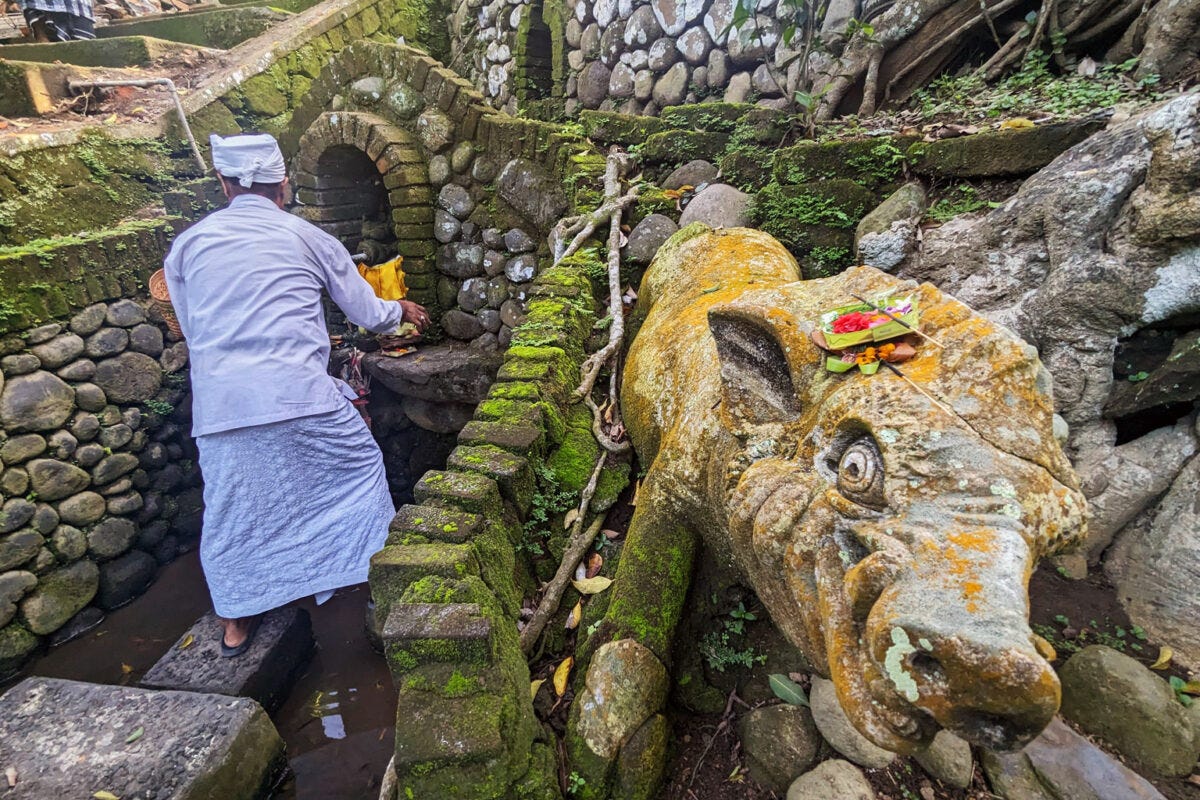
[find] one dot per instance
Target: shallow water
(339, 719)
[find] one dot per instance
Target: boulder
(16, 645)
(1114, 697)
(19, 364)
(718, 206)
(1061, 764)
(125, 314)
(129, 378)
(68, 542)
(451, 373)
(124, 578)
(90, 397)
(661, 55)
(38, 401)
(435, 130)
(693, 173)
(81, 509)
(58, 351)
(88, 321)
(522, 268)
(888, 234)
(111, 537)
(81, 370)
(460, 325)
(948, 758)
(673, 16)
(460, 260)
(533, 192)
(642, 28)
(21, 448)
(13, 586)
(439, 417)
(694, 46)
(69, 739)
(671, 88)
(753, 41)
(59, 596)
(146, 339)
(832, 779)
(456, 200)
(106, 342)
(648, 236)
(592, 89)
(518, 241)
(625, 685)
(1160, 583)
(112, 467)
(15, 512)
(781, 742)
(445, 226)
(837, 729)
(54, 480)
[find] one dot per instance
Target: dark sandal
(234, 652)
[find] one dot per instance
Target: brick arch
(352, 168)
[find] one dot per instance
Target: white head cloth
(251, 158)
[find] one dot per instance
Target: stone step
(68, 739)
(266, 672)
(438, 633)
(119, 51)
(436, 524)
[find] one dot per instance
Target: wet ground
(338, 721)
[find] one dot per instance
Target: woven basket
(162, 301)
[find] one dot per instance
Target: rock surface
(888, 235)
(69, 739)
(447, 373)
(265, 672)
(1061, 764)
(647, 236)
(718, 206)
(833, 724)
(1114, 697)
(832, 779)
(781, 742)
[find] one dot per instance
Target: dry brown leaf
(561, 673)
(610, 534)
(1165, 654)
(594, 562)
(574, 617)
(592, 585)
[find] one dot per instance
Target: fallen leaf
(138, 110)
(572, 515)
(581, 571)
(103, 795)
(574, 617)
(592, 585)
(187, 642)
(534, 686)
(1165, 654)
(11, 774)
(1191, 687)
(126, 669)
(610, 534)
(1016, 124)
(594, 562)
(111, 119)
(711, 289)
(133, 737)
(637, 487)
(787, 690)
(561, 674)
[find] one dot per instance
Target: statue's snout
(996, 694)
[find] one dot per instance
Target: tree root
(581, 542)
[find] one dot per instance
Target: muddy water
(337, 722)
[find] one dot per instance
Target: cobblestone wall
(98, 478)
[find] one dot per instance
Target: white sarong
(292, 508)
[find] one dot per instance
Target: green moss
(677, 147)
(460, 685)
(648, 598)
(572, 463)
(712, 117)
(612, 128)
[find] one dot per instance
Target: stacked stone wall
(472, 193)
(98, 477)
(632, 56)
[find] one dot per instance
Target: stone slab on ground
(121, 51)
(439, 373)
(265, 672)
(67, 739)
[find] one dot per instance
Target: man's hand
(416, 314)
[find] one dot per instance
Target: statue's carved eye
(860, 473)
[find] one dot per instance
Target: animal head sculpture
(891, 526)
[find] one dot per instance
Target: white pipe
(144, 83)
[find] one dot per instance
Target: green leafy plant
(964, 199)
(575, 783)
(549, 500)
(1183, 691)
(723, 648)
(160, 407)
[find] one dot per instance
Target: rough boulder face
(1096, 261)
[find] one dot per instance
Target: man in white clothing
(295, 495)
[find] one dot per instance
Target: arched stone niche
(365, 181)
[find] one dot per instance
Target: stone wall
(633, 56)
(98, 478)
(470, 193)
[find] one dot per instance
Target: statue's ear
(756, 381)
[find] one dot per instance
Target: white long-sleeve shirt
(246, 285)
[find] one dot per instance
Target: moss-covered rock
(874, 163)
(1001, 153)
(612, 128)
(679, 146)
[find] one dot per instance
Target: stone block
(71, 739)
(437, 524)
(394, 568)
(1000, 153)
(265, 673)
(517, 439)
(512, 473)
(438, 633)
(439, 373)
(476, 494)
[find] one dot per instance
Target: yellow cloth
(387, 279)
